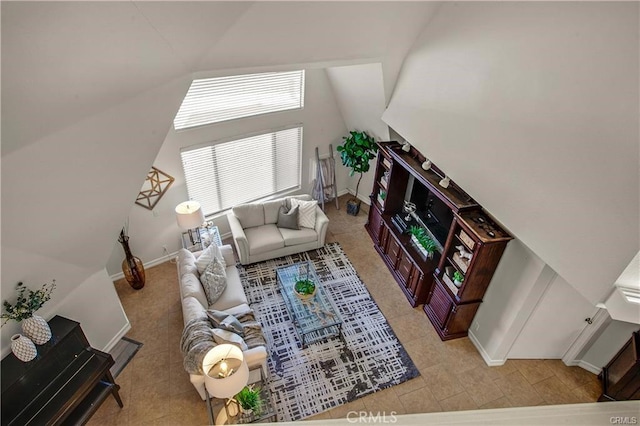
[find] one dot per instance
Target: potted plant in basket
(305, 288)
(356, 152)
(249, 400)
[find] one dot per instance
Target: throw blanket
(197, 339)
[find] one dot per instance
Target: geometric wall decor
(154, 187)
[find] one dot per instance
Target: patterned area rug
(332, 371)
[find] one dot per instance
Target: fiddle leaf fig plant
(356, 152)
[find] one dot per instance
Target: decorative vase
(23, 348)
(36, 328)
(131, 266)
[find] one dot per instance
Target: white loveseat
(257, 237)
(232, 300)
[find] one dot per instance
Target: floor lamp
(189, 215)
(225, 374)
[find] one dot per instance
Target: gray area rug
(122, 353)
(333, 371)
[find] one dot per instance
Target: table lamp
(225, 374)
(189, 215)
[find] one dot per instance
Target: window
(213, 100)
(225, 174)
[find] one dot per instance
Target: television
(431, 210)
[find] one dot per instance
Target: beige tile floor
(156, 389)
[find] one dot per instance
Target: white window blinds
(225, 174)
(213, 100)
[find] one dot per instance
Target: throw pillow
(307, 212)
(223, 336)
(214, 280)
(288, 219)
(207, 255)
(225, 321)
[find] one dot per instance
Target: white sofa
(232, 300)
(257, 237)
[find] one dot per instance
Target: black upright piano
(65, 384)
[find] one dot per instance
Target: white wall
(517, 285)
(86, 297)
(323, 124)
(532, 108)
(555, 323)
(609, 343)
(360, 93)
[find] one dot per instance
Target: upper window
(212, 100)
(225, 174)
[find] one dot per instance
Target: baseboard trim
(119, 335)
(152, 263)
(483, 353)
(361, 197)
(589, 367)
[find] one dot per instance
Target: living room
(521, 105)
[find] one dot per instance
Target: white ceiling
(89, 91)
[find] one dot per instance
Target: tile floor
(156, 389)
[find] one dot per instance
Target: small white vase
(36, 329)
(23, 348)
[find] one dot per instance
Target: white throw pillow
(207, 256)
(306, 212)
(223, 336)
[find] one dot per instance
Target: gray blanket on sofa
(197, 339)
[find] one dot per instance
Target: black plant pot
(353, 206)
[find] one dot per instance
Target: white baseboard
(483, 353)
(149, 264)
(124, 330)
(589, 367)
(364, 198)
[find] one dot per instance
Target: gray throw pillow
(288, 219)
(225, 321)
(214, 280)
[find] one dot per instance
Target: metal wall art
(155, 186)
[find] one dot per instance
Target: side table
(267, 413)
(207, 236)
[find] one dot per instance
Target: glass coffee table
(314, 318)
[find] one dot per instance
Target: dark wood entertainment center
(457, 224)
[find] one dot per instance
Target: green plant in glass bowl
(305, 288)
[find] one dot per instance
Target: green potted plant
(422, 240)
(356, 152)
(249, 400)
(458, 278)
(305, 288)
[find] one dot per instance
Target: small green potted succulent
(249, 400)
(356, 152)
(458, 278)
(305, 288)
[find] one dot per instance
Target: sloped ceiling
(90, 90)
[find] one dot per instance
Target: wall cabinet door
(405, 267)
(440, 304)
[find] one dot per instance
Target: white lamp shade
(220, 386)
(406, 147)
(444, 182)
(189, 215)
(426, 165)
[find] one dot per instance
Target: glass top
(315, 313)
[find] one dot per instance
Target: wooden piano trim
(71, 402)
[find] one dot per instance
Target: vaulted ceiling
(89, 91)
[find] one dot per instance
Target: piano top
(46, 389)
